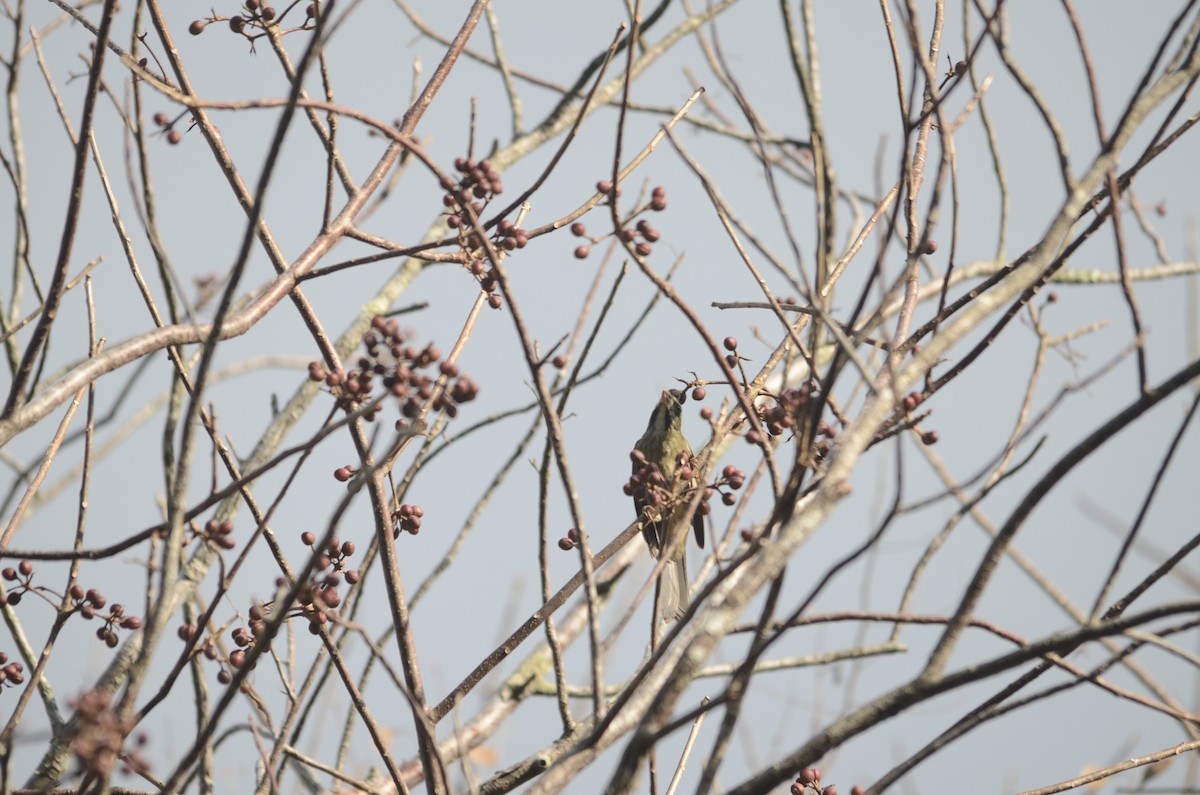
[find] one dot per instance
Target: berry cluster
(11, 673)
(319, 598)
(224, 676)
(732, 479)
(24, 573)
(733, 357)
(569, 541)
(479, 183)
(780, 417)
(237, 658)
(408, 518)
(256, 15)
(909, 404)
(116, 616)
(244, 639)
(317, 602)
(650, 486)
(100, 737)
(628, 234)
(168, 126)
(790, 407)
(403, 372)
(218, 534)
(84, 602)
(810, 779)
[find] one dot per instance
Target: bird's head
(667, 415)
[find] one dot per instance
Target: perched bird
(657, 457)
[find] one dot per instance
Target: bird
(664, 446)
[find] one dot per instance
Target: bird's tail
(673, 591)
